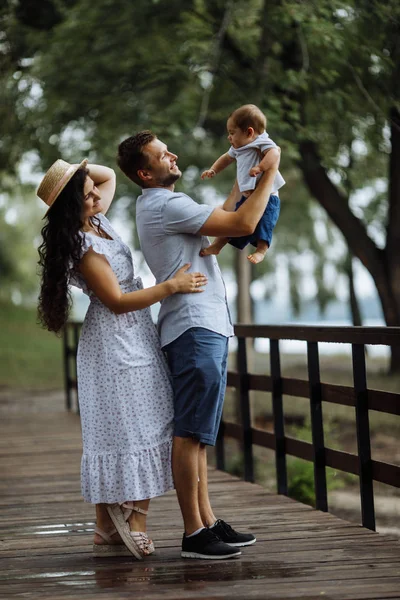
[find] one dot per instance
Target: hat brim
(77, 167)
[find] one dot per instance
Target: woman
(124, 388)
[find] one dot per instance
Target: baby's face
(237, 138)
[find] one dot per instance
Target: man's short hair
(249, 115)
(132, 156)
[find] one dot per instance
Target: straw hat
(56, 179)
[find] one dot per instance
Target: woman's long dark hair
(60, 253)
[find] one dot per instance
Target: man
(194, 328)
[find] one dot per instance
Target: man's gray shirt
(168, 224)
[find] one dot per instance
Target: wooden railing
(358, 396)
(70, 348)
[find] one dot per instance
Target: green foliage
(301, 472)
(30, 357)
(20, 226)
(235, 466)
(301, 481)
(77, 76)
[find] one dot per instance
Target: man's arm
(222, 223)
(220, 164)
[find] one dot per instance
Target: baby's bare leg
(215, 247)
(259, 254)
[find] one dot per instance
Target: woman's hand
(184, 283)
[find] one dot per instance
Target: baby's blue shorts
(265, 225)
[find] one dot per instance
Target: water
(81, 303)
(326, 348)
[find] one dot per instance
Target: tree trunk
(355, 311)
(393, 226)
(243, 277)
(243, 315)
(379, 263)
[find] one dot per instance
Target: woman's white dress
(124, 391)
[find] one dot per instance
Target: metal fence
(358, 396)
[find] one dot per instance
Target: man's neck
(161, 187)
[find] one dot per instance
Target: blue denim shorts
(264, 227)
(198, 363)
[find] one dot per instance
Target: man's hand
(208, 174)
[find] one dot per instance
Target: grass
(30, 357)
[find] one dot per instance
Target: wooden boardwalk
(46, 532)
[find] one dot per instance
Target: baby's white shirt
(247, 157)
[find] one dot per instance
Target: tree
(326, 74)
(372, 66)
(321, 63)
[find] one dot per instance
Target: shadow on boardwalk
(46, 532)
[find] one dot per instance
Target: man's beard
(169, 179)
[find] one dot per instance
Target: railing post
(363, 437)
(67, 383)
(317, 427)
(277, 410)
(247, 438)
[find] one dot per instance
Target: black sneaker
(206, 544)
(228, 535)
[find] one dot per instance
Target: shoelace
(225, 526)
(213, 536)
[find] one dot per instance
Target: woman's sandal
(109, 549)
(138, 543)
(118, 518)
(142, 539)
(144, 542)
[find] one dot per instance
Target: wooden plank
(46, 534)
(386, 336)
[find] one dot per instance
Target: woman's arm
(105, 181)
(101, 280)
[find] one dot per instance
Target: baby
(249, 148)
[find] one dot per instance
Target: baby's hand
(208, 174)
(255, 171)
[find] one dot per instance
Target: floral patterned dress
(124, 391)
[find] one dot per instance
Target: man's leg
(185, 468)
(192, 397)
(206, 512)
(222, 529)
